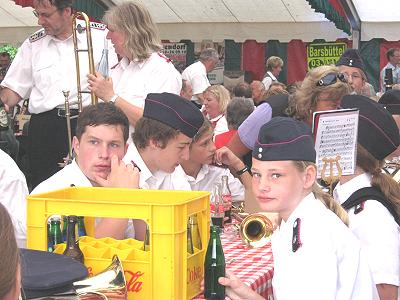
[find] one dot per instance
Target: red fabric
(297, 61)
(385, 46)
(223, 139)
(24, 3)
(338, 7)
(253, 266)
(253, 59)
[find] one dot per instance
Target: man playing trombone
(44, 67)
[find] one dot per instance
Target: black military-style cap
(174, 111)
(284, 139)
(391, 101)
(351, 58)
(45, 274)
(377, 130)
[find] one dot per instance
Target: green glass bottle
(146, 242)
(72, 249)
(64, 230)
(190, 249)
(194, 230)
(214, 267)
(81, 226)
(55, 236)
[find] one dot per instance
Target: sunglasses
(330, 79)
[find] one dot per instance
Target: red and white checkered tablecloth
(254, 266)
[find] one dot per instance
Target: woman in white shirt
(216, 99)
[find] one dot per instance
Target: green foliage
(9, 49)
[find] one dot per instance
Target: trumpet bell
(255, 230)
(109, 284)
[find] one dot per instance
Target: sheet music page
(335, 134)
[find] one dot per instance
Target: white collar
(79, 179)
(204, 170)
(343, 191)
(271, 75)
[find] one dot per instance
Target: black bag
(370, 193)
(45, 274)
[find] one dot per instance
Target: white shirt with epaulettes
(377, 230)
(317, 257)
(45, 66)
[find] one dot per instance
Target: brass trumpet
(109, 284)
(255, 230)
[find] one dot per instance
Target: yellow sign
(324, 54)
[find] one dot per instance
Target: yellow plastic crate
(167, 271)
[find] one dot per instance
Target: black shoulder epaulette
(37, 35)
(370, 193)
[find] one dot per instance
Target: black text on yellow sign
(324, 54)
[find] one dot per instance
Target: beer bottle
(217, 207)
(214, 267)
(226, 197)
(189, 239)
(64, 230)
(194, 230)
(55, 236)
(81, 226)
(146, 242)
(72, 249)
(4, 122)
(102, 67)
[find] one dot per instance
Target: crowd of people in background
(156, 128)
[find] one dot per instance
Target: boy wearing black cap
(315, 254)
(352, 66)
(160, 143)
(375, 223)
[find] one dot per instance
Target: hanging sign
(324, 54)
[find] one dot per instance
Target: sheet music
(335, 134)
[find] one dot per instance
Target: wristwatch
(113, 98)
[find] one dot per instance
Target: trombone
(89, 51)
(77, 27)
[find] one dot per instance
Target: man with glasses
(352, 67)
(393, 57)
(44, 67)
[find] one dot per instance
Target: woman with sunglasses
(322, 89)
(10, 274)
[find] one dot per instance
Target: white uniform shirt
(396, 71)
(69, 175)
(13, 192)
(209, 175)
(328, 265)
(196, 73)
(220, 124)
(43, 68)
(134, 80)
(377, 230)
(72, 175)
(267, 81)
(159, 180)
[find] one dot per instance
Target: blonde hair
(221, 94)
(272, 62)
(141, 34)
(381, 181)
(304, 100)
(325, 198)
